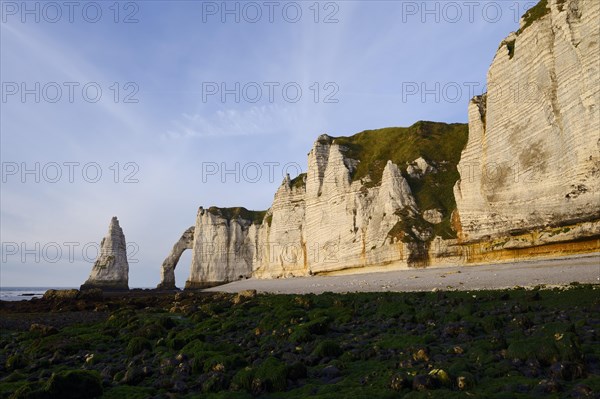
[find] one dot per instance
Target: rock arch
(167, 270)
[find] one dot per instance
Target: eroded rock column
(111, 270)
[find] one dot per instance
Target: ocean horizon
(26, 293)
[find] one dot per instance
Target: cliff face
(366, 200)
(223, 246)
(532, 160)
(527, 184)
(327, 222)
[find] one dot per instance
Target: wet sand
(549, 272)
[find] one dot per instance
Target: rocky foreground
(514, 343)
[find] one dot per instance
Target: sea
(25, 293)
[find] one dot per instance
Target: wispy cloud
(256, 120)
(44, 57)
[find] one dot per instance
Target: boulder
(60, 294)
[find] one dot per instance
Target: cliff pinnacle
(111, 270)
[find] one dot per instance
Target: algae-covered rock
(60, 294)
(270, 376)
(74, 384)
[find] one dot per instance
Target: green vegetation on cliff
(256, 217)
(533, 14)
(434, 141)
(299, 181)
(440, 144)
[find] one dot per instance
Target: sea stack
(111, 270)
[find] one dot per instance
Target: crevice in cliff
(510, 46)
(305, 257)
(573, 16)
(418, 255)
(554, 86)
(457, 225)
(321, 154)
(481, 102)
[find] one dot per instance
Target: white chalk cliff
(111, 269)
(532, 162)
(527, 184)
(333, 218)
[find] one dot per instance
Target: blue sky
(152, 119)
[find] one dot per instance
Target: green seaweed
(506, 343)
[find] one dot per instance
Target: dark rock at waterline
(91, 294)
(60, 294)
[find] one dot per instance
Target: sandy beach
(550, 272)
